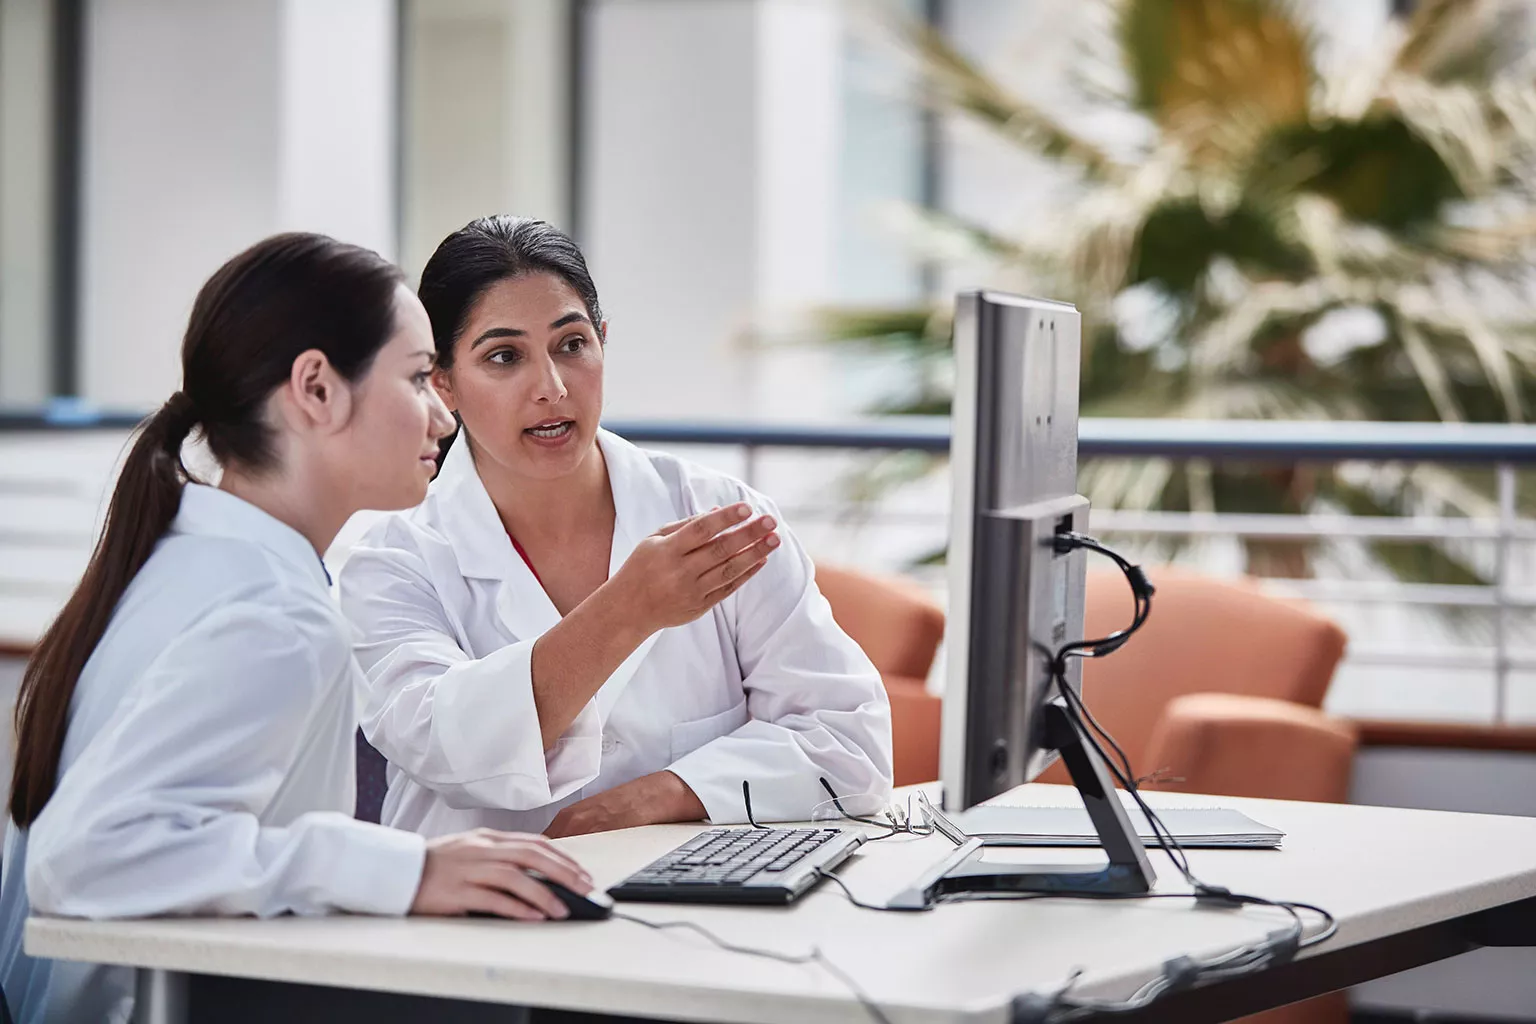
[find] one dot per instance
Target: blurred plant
(1283, 242)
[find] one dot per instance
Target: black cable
(729, 947)
(815, 956)
(1179, 972)
(847, 892)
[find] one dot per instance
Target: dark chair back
(370, 780)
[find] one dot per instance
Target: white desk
(1406, 886)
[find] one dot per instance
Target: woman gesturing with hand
(572, 633)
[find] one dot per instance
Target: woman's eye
(502, 357)
(422, 379)
(575, 343)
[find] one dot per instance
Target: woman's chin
(550, 458)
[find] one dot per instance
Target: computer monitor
(1015, 597)
(1012, 598)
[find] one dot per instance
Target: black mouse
(595, 906)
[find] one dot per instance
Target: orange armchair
(899, 626)
(1220, 691)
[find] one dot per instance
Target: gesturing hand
(686, 568)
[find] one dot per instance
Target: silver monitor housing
(1013, 601)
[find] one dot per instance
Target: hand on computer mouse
(490, 872)
(594, 905)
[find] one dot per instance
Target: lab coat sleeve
(818, 707)
(159, 814)
(466, 728)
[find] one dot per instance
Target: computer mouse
(594, 906)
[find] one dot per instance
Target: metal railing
(1505, 448)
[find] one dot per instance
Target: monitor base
(1128, 870)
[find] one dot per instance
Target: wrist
(623, 612)
(679, 799)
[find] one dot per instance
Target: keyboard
(741, 865)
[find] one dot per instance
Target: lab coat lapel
(480, 543)
(642, 505)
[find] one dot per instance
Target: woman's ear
(317, 394)
(602, 331)
(443, 385)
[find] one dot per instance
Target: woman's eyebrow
(569, 318)
(498, 332)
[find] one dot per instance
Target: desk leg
(160, 998)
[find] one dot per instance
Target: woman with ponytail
(185, 727)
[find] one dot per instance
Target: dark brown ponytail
(280, 298)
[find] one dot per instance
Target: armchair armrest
(915, 718)
(1232, 745)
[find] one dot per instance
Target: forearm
(142, 864)
(676, 800)
(578, 654)
(654, 799)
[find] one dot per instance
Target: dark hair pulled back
(485, 252)
(284, 296)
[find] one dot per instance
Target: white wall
(210, 124)
(338, 120)
(487, 116)
(710, 178)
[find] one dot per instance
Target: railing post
(1507, 516)
(749, 465)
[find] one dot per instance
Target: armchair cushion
(894, 620)
(915, 717)
(1235, 745)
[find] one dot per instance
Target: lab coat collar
(642, 501)
(469, 518)
(642, 505)
(210, 512)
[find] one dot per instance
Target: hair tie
(179, 415)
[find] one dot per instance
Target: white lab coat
(209, 766)
(765, 688)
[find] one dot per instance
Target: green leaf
(1378, 170)
(1180, 240)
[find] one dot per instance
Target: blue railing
(1219, 440)
(1504, 448)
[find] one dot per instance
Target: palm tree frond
(1449, 39)
(1217, 74)
(1456, 121)
(1507, 242)
(1431, 372)
(1378, 170)
(862, 324)
(959, 84)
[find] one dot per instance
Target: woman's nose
(551, 387)
(440, 419)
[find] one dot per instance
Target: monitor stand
(1128, 870)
